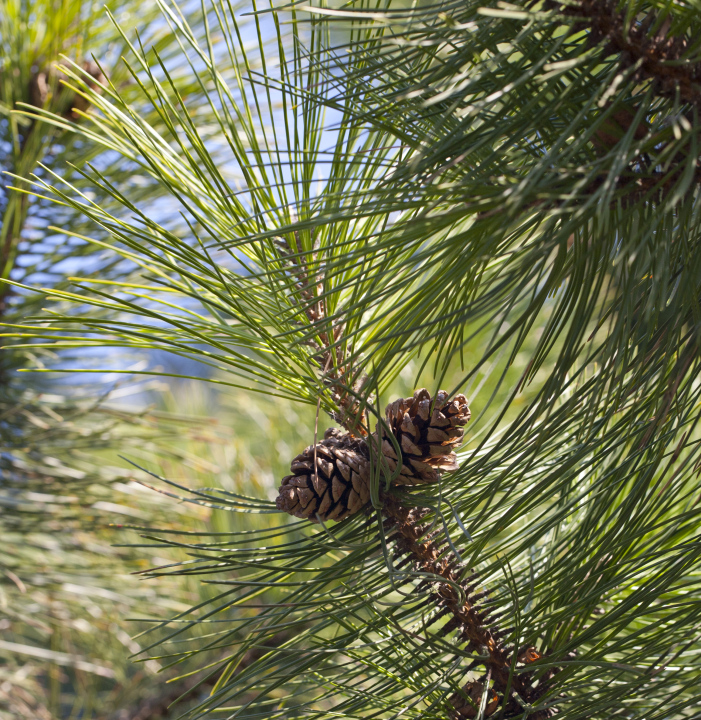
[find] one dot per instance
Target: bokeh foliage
(66, 589)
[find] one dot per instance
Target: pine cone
(466, 709)
(38, 89)
(45, 82)
(426, 437)
(341, 486)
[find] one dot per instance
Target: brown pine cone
(46, 85)
(341, 486)
(38, 89)
(426, 437)
(468, 708)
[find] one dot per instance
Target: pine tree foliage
(409, 183)
(63, 588)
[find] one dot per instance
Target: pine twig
(306, 272)
(645, 48)
(657, 56)
(467, 619)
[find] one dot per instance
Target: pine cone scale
(325, 504)
(319, 485)
(344, 470)
(338, 489)
(409, 447)
(388, 450)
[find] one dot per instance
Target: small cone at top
(426, 432)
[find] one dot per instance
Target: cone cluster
(331, 480)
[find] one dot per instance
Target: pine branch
(33, 144)
(571, 477)
(654, 55)
(13, 222)
(646, 54)
(333, 353)
(415, 540)
(331, 481)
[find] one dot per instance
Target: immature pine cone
(465, 709)
(426, 438)
(340, 487)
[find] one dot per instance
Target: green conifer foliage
(65, 589)
(505, 195)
